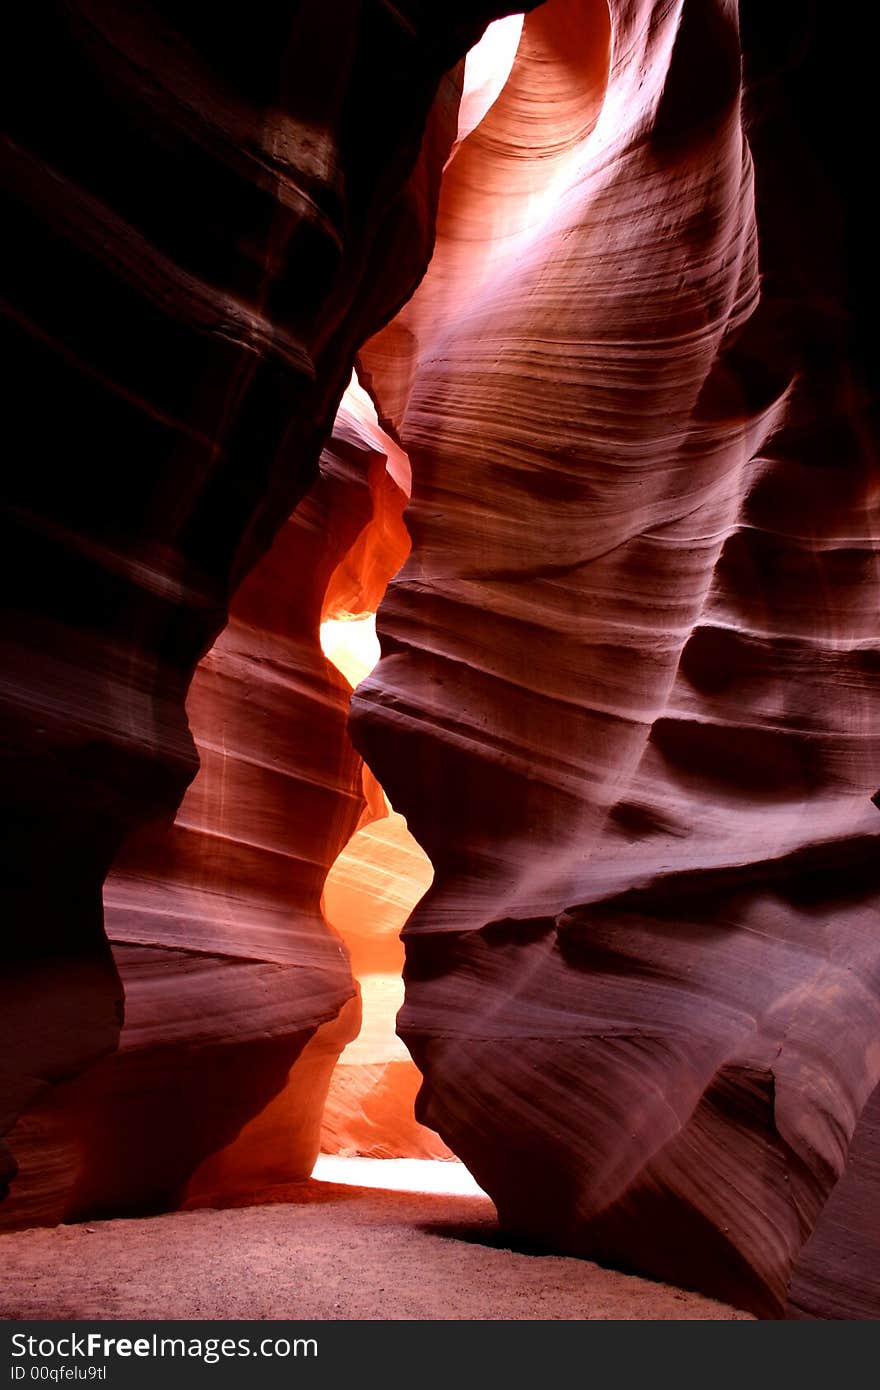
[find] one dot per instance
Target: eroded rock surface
(633, 656)
(239, 998)
(205, 215)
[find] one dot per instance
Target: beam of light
(428, 1175)
(357, 404)
(351, 645)
(486, 69)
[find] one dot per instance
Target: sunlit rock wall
(633, 654)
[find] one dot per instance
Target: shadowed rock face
(633, 655)
(838, 1273)
(205, 215)
(238, 996)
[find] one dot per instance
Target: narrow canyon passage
(382, 872)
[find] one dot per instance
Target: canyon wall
(205, 215)
(238, 996)
(634, 656)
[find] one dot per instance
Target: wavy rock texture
(205, 215)
(368, 896)
(838, 1272)
(238, 997)
(633, 656)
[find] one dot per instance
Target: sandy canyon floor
(326, 1250)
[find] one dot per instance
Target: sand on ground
(326, 1251)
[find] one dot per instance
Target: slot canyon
(441, 641)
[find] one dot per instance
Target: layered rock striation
(633, 655)
(239, 997)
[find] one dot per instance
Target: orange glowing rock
(382, 872)
(368, 896)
